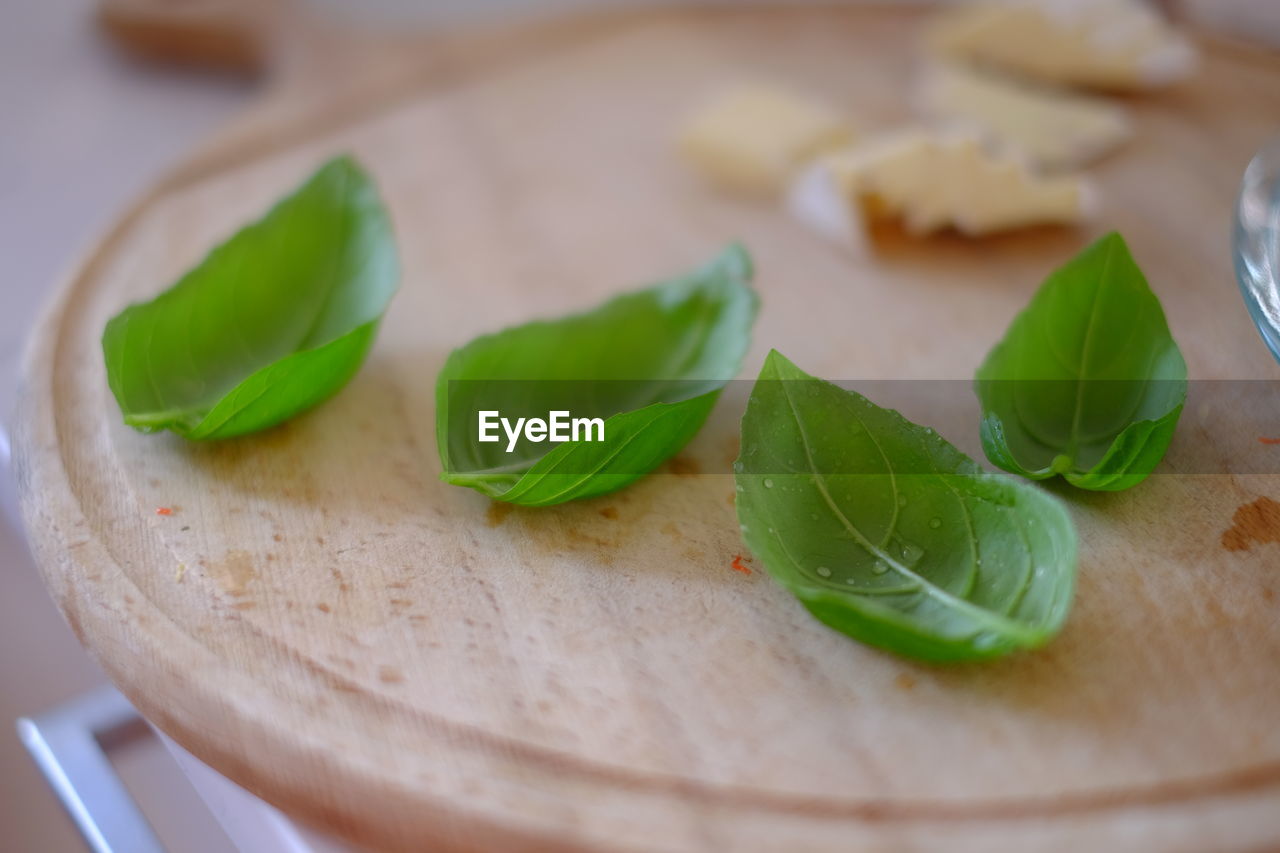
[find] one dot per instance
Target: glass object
(1256, 243)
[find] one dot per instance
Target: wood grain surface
(408, 666)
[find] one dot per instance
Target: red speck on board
(164, 510)
(1265, 440)
(738, 566)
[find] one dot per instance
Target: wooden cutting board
(402, 663)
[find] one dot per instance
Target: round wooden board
(404, 664)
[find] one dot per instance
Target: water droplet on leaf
(985, 641)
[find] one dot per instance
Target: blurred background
(85, 126)
(84, 129)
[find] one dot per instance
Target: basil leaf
(886, 532)
(650, 364)
(272, 322)
(1087, 382)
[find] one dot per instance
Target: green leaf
(886, 532)
(650, 364)
(272, 322)
(1087, 382)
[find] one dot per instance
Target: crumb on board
(1254, 523)
(181, 573)
(738, 565)
(684, 466)
(497, 512)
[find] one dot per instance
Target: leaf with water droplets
(957, 571)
